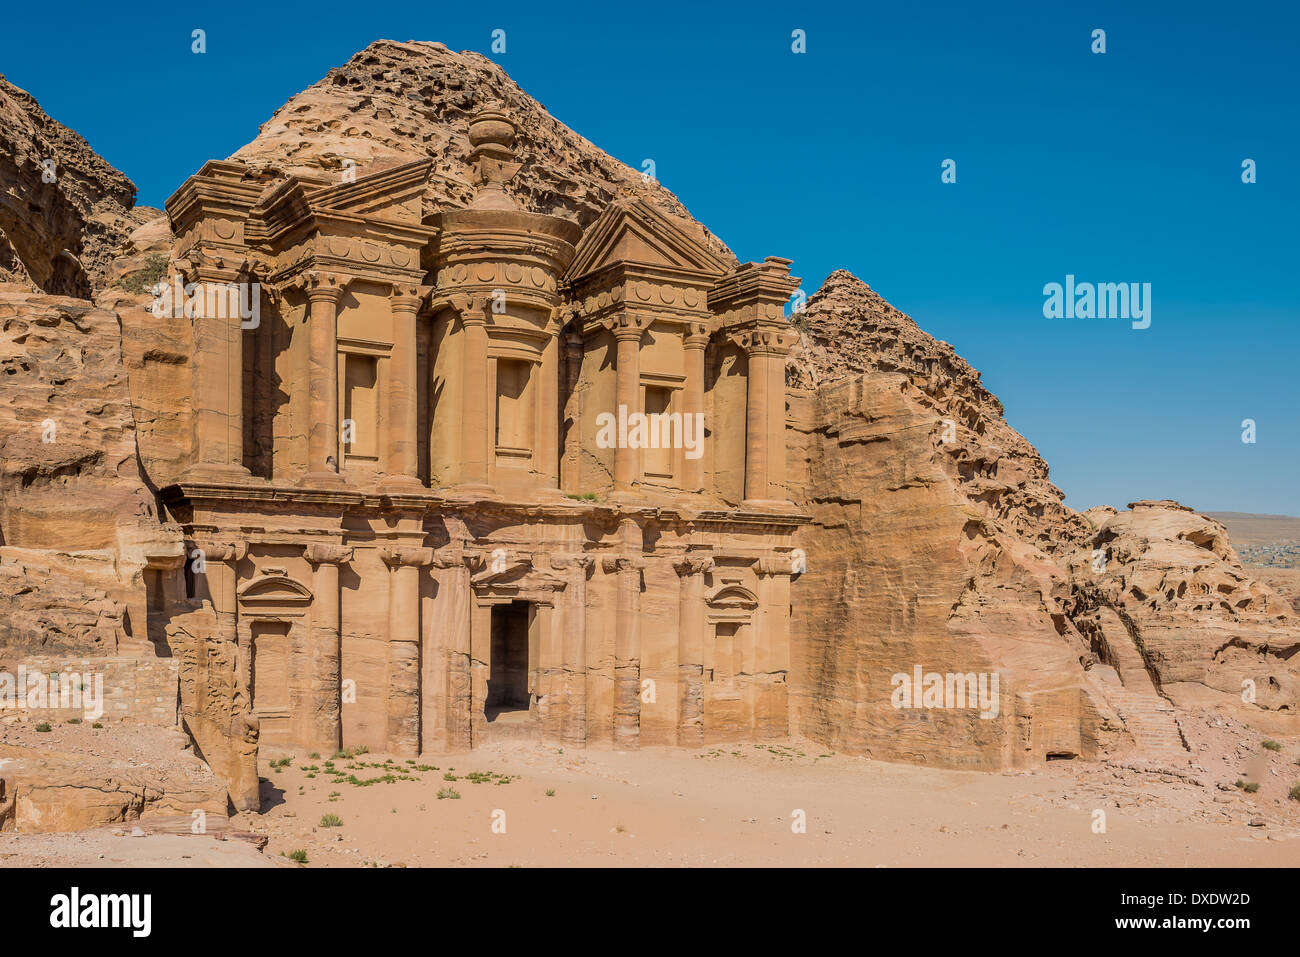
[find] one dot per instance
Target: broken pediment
(395, 193)
(631, 232)
(518, 575)
(274, 590)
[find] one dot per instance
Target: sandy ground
(123, 847)
(735, 806)
(534, 805)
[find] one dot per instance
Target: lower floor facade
(416, 623)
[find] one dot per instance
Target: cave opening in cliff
(507, 692)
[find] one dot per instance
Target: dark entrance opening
(508, 676)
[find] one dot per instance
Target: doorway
(270, 680)
(507, 691)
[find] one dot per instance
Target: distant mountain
(1246, 528)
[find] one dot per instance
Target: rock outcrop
(1167, 579)
(64, 210)
(397, 102)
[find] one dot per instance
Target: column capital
(397, 556)
(223, 551)
(765, 340)
(320, 553)
(407, 297)
(324, 286)
(689, 565)
(774, 565)
(472, 310)
(455, 556)
(629, 325)
(695, 335)
(568, 562)
(622, 563)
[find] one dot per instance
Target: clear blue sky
(1122, 167)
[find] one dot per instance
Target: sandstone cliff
(939, 541)
(77, 522)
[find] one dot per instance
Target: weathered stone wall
(78, 523)
(904, 572)
(142, 690)
(929, 547)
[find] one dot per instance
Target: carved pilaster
(627, 646)
(326, 645)
(403, 465)
(691, 569)
(404, 645)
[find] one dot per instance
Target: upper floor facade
(345, 337)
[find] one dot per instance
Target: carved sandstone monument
(413, 531)
(421, 422)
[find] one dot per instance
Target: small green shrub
(299, 855)
(1295, 793)
(147, 276)
(550, 792)
(43, 726)
(331, 820)
(1252, 787)
(1272, 745)
(446, 793)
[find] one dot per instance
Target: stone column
(218, 382)
(404, 647)
(573, 354)
(403, 465)
(480, 666)
(627, 329)
(573, 646)
(695, 341)
(771, 690)
(474, 418)
(452, 699)
(627, 648)
(323, 293)
(756, 423)
(765, 414)
(326, 702)
(690, 649)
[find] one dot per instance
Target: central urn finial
(492, 136)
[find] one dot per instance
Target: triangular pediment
(632, 232)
